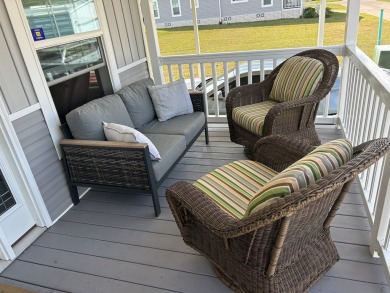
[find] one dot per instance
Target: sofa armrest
(117, 164)
(278, 152)
(197, 100)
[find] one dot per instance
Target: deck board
(111, 242)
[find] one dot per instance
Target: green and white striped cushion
(298, 78)
(251, 117)
(317, 164)
(232, 186)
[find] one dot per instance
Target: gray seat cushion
(85, 122)
(170, 148)
(138, 102)
(188, 125)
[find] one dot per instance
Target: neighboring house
(175, 13)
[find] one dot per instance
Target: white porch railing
(217, 71)
(362, 112)
(365, 115)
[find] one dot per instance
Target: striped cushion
(251, 117)
(320, 162)
(232, 186)
(298, 78)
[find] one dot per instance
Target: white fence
(217, 72)
(365, 115)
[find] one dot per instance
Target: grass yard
(275, 34)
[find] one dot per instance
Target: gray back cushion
(138, 102)
(85, 122)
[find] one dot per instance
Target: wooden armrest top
(102, 144)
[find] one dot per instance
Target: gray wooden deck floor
(113, 243)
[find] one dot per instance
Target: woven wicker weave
(286, 247)
(293, 118)
(117, 165)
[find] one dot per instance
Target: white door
(15, 217)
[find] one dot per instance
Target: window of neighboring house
(267, 3)
(155, 9)
(238, 1)
(197, 3)
(176, 9)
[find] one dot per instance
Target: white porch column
(195, 23)
(321, 24)
(350, 39)
(152, 45)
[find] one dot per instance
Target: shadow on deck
(112, 242)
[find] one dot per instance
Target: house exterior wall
(209, 13)
(42, 157)
(19, 93)
(123, 19)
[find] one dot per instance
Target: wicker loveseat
(258, 110)
(91, 161)
(285, 246)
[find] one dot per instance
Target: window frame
(179, 5)
(267, 5)
(157, 9)
(238, 1)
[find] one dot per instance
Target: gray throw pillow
(171, 100)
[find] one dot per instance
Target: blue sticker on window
(38, 34)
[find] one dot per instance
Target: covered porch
(111, 242)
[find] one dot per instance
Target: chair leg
(74, 194)
(206, 133)
(156, 201)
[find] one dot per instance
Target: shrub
(328, 12)
(309, 12)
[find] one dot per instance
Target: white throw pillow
(170, 100)
(118, 132)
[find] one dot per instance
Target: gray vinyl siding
(207, 9)
(250, 7)
(124, 23)
(14, 79)
(134, 74)
(42, 157)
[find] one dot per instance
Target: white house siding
(42, 157)
(208, 12)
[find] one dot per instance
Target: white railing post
(152, 45)
(321, 24)
(350, 39)
(380, 228)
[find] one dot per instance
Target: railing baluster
(250, 80)
(226, 77)
(262, 70)
(238, 74)
(192, 75)
(180, 70)
(358, 99)
(326, 106)
(203, 77)
(348, 108)
(170, 72)
(215, 89)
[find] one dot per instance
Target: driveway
(372, 7)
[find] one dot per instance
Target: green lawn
(384, 0)
(275, 34)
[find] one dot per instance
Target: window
(197, 3)
(155, 9)
(176, 9)
(267, 3)
(238, 1)
(291, 4)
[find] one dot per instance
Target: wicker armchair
(286, 247)
(293, 118)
